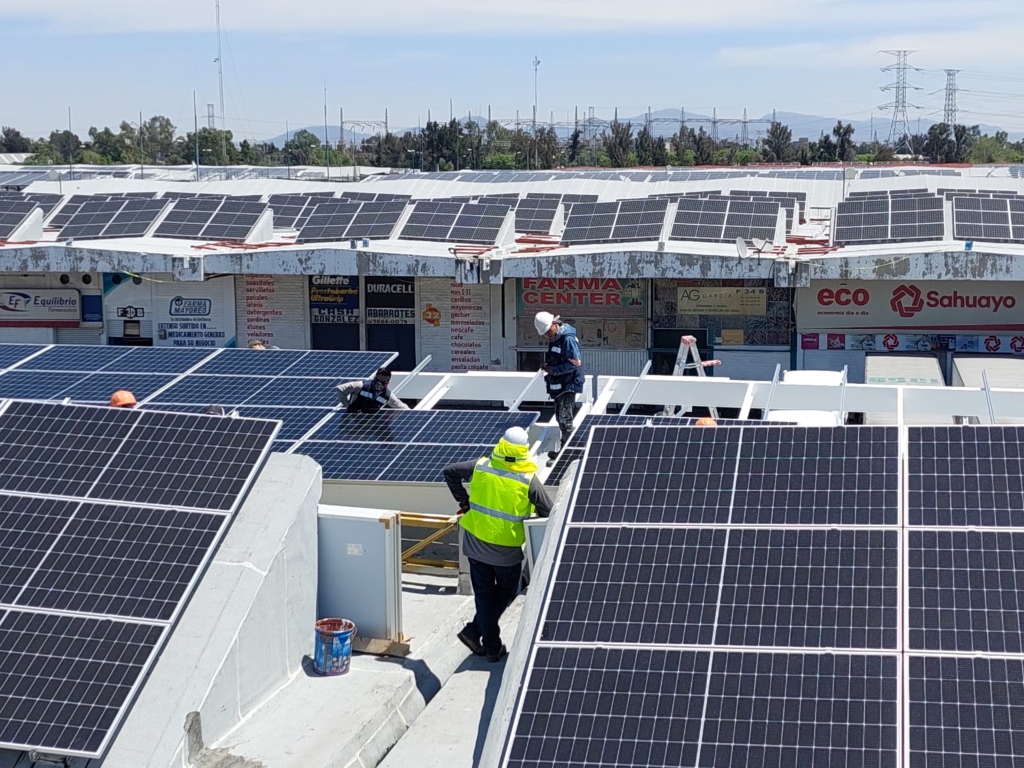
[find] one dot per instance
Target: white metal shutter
(26, 335)
(79, 335)
(834, 360)
(747, 365)
(614, 362)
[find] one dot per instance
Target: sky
(107, 60)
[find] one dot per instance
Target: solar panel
(92, 218)
(965, 711)
(156, 360)
(377, 220)
(328, 222)
(386, 426)
(291, 211)
(685, 478)
(13, 213)
(205, 390)
(74, 709)
(71, 207)
(233, 221)
(28, 528)
(351, 461)
(473, 427)
(966, 591)
(339, 365)
(426, 463)
(296, 391)
(590, 223)
(250, 362)
(817, 476)
(455, 222)
(295, 422)
(130, 562)
(98, 387)
(536, 215)
(73, 357)
(654, 707)
(12, 353)
(963, 476)
(37, 385)
(184, 460)
(187, 219)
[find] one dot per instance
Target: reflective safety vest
(368, 401)
(499, 502)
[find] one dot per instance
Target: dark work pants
(494, 589)
(565, 410)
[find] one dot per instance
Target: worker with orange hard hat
(122, 399)
(706, 422)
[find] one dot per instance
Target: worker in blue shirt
(563, 366)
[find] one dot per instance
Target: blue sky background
(109, 59)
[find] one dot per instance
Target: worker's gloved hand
(463, 509)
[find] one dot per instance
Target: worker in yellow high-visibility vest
(503, 492)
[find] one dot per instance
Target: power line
(899, 131)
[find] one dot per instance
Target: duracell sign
(390, 292)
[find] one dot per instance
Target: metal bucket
(333, 652)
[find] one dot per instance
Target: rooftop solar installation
(13, 213)
(126, 509)
(120, 217)
(621, 221)
(880, 219)
(339, 220)
(455, 222)
(722, 220)
(997, 220)
(291, 211)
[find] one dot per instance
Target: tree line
(466, 144)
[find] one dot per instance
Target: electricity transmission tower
(899, 130)
(949, 113)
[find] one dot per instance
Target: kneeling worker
(371, 395)
(503, 492)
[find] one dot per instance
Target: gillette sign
(59, 308)
(882, 305)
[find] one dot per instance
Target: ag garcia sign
(41, 308)
(922, 305)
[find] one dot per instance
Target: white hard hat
(543, 322)
(516, 436)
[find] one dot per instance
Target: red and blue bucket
(333, 652)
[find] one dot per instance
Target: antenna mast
(220, 84)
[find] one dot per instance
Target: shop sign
(582, 297)
(722, 301)
(203, 317)
(41, 308)
(925, 305)
(992, 343)
(333, 299)
(391, 300)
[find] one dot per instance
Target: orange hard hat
(706, 422)
(122, 399)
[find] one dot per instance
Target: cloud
(992, 43)
(439, 16)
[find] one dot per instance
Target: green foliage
(844, 148)
(618, 143)
(11, 140)
(777, 145)
(500, 161)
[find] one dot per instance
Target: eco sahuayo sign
(924, 305)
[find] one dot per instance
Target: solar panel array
(914, 215)
(723, 219)
(620, 221)
(296, 387)
(13, 213)
(340, 220)
(291, 211)
(45, 201)
(117, 217)
(455, 222)
(997, 220)
(100, 548)
(211, 218)
(784, 596)
(405, 446)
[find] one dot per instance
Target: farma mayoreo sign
(582, 297)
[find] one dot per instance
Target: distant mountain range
(803, 126)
